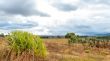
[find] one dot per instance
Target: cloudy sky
(55, 17)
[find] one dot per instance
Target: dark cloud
(20, 7)
(81, 28)
(97, 1)
(65, 7)
(5, 25)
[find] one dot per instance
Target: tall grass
(21, 41)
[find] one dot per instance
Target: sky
(55, 17)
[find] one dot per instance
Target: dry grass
(56, 40)
(59, 50)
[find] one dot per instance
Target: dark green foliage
(72, 38)
(69, 35)
(2, 34)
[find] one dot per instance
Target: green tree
(69, 35)
(2, 34)
(72, 38)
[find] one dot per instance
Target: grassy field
(59, 50)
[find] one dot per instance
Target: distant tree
(72, 38)
(2, 34)
(69, 35)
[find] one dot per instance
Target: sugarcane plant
(20, 41)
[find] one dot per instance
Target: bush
(72, 38)
(69, 35)
(21, 41)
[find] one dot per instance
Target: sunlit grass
(20, 42)
(58, 50)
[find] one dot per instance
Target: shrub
(2, 34)
(69, 35)
(72, 38)
(21, 41)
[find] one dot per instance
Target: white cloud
(89, 17)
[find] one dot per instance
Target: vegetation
(95, 42)
(24, 46)
(72, 38)
(2, 34)
(99, 42)
(60, 51)
(20, 42)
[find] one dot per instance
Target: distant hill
(104, 34)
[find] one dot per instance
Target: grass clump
(21, 41)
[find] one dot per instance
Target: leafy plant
(69, 35)
(21, 41)
(72, 38)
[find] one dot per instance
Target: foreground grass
(22, 46)
(59, 50)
